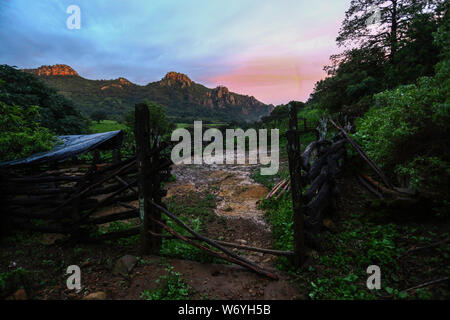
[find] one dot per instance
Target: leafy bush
(174, 287)
(407, 130)
(20, 132)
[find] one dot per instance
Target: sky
(274, 50)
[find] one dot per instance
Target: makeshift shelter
(71, 146)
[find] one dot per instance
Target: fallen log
(378, 185)
(363, 155)
(369, 187)
(286, 187)
(239, 260)
(275, 189)
(207, 240)
(231, 245)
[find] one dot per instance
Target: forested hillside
(183, 99)
(32, 114)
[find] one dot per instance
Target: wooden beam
(295, 167)
(144, 165)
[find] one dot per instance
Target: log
(273, 189)
(45, 179)
(428, 283)
(232, 245)
(316, 184)
(92, 186)
(239, 260)
(203, 238)
(317, 206)
(369, 187)
(36, 191)
(306, 155)
(322, 160)
(286, 187)
(363, 155)
(114, 217)
(295, 166)
(126, 184)
(378, 185)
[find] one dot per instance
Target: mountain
(183, 99)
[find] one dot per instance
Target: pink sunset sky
(274, 50)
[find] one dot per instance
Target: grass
(195, 210)
(105, 126)
(172, 287)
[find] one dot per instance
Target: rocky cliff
(55, 70)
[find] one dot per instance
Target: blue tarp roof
(71, 146)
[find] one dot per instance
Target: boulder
(124, 265)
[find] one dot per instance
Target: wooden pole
(293, 150)
(142, 135)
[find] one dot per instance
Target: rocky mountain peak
(54, 70)
(172, 78)
(221, 91)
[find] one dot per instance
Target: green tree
(99, 115)
(160, 126)
(387, 32)
(25, 90)
(407, 130)
(20, 132)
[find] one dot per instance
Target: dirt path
(237, 196)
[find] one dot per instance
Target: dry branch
(363, 154)
(207, 240)
(231, 258)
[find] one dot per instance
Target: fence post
(293, 150)
(142, 136)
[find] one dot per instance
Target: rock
(172, 78)
(124, 265)
(55, 70)
(99, 295)
(20, 295)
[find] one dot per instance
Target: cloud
(272, 50)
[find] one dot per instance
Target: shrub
(21, 134)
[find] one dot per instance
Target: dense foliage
(20, 132)
(394, 51)
(407, 128)
(25, 90)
